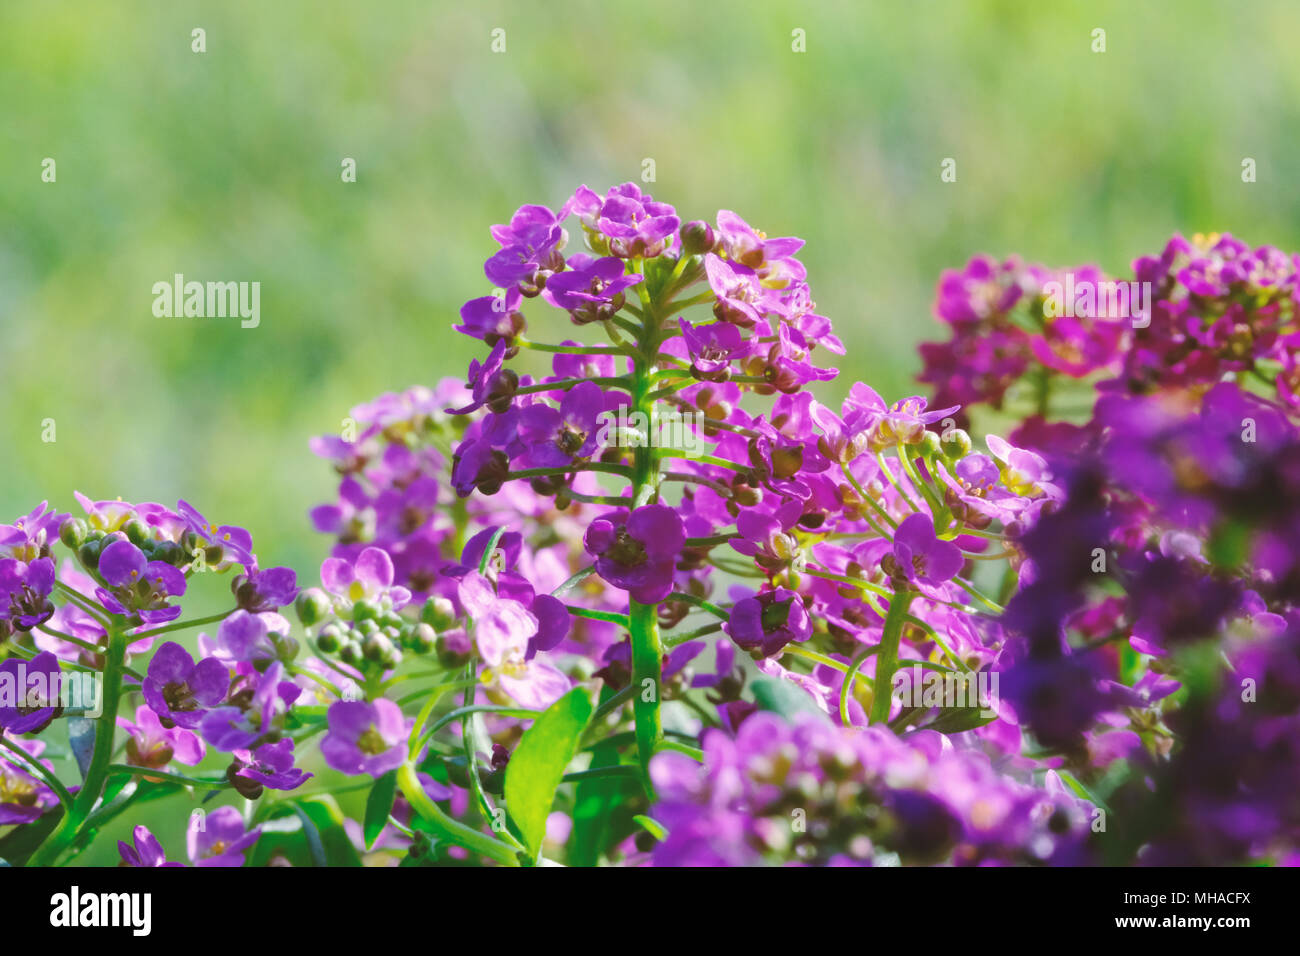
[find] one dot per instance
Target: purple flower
(634, 223)
(265, 590)
(152, 745)
(590, 289)
(530, 250)
(23, 796)
(494, 319)
(479, 467)
(29, 693)
(139, 587)
(920, 556)
(369, 577)
(489, 383)
(258, 704)
(245, 638)
(903, 422)
(146, 852)
(25, 594)
(751, 248)
(713, 348)
(504, 630)
(180, 691)
(233, 542)
(365, 737)
(556, 437)
(639, 553)
(741, 298)
(219, 838)
(769, 621)
(30, 536)
(270, 765)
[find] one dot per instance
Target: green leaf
(602, 810)
(956, 720)
(538, 763)
(784, 698)
(306, 832)
(652, 826)
(379, 805)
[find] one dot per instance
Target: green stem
(647, 663)
(453, 830)
(181, 625)
(887, 661)
(647, 648)
(70, 826)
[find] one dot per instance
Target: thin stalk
(69, 827)
(887, 661)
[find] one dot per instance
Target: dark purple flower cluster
(809, 793)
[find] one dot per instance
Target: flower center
(179, 697)
(371, 742)
(627, 550)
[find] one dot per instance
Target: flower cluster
(647, 598)
(809, 793)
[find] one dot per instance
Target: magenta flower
(139, 587)
(265, 590)
(365, 737)
(769, 621)
(633, 222)
(369, 577)
(152, 745)
(555, 437)
(921, 557)
(639, 553)
(146, 852)
(494, 319)
(750, 248)
(30, 536)
(504, 630)
(23, 796)
(219, 838)
(258, 704)
(25, 593)
(590, 289)
(180, 691)
(530, 250)
(270, 765)
(29, 693)
(713, 348)
(235, 542)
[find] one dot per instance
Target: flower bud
(931, 445)
(88, 554)
(439, 613)
(697, 237)
(422, 639)
(365, 610)
(956, 443)
(328, 640)
(73, 532)
(137, 532)
(312, 605)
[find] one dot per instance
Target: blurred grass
(225, 166)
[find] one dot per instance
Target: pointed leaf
(538, 763)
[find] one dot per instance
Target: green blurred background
(225, 165)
